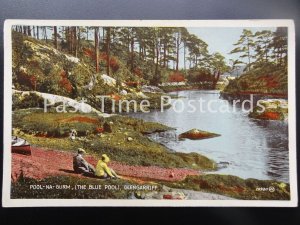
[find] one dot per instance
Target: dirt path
(46, 163)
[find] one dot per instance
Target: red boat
(21, 146)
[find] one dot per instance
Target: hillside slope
(268, 79)
(38, 66)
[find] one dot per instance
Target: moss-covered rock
(271, 109)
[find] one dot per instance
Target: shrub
(28, 101)
(176, 77)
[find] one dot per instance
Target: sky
(221, 39)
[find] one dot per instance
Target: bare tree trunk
(248, 53)
(69, 39)
(165, 54)
(55, 36)
(33, 31)
(87, 33)
(132, 54)
(140, 51)
(45, 34)
(37, 32)
(108, 50)
(216, 79)
(96, 49)
(156, 65)
(103, 36)
(78, 40)
(177, 53)
(75, 40)
(100, 42)
(184, 64)
(28, 31)
(266, 54)
(153, 57)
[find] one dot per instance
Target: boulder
(274, 109)
(129, 139)
(108, 80)
(123, 92)
(151, 89)
(195, 134)
(141, 95)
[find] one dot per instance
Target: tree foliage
(263, 47)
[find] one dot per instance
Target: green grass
(141, 150)
(235, 187)
(227, 185)
(53, 124)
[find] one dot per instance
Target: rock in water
(107, 127)
(195, 134)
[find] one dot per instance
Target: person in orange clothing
(102, 169)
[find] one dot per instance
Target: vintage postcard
(149, 113)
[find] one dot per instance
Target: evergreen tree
(245, 47)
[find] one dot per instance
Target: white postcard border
(8, 202)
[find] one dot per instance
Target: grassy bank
(21, 189)
(232, 186)
(125, 143)
(268, 79)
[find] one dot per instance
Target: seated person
(80, 165)
(103, 171)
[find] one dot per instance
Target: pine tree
(245, 47)
(263, 40)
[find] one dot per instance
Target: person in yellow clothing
(102, 169)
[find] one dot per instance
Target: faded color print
(150, 114)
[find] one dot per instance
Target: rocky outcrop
(53, 100)
(271, 109)
(151, 89)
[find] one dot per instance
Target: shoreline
(125, 150)
(169, 89)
